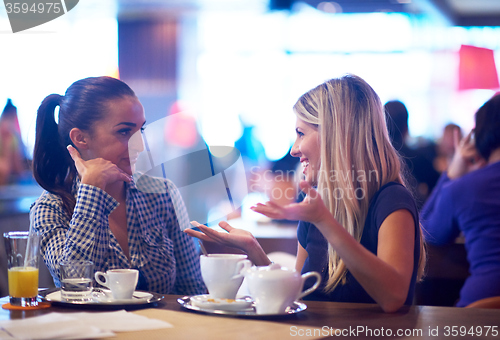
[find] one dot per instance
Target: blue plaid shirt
(167, 258)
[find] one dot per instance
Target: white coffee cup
(223, 274)
(274, 288)
(121, 282)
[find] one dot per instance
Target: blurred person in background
(360, 229)
(419, 159)
(250, 147)
(92, 208)
(446, 147)
(467, 199)
(13, 162)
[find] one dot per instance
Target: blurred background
(234, 69)
(247, 61)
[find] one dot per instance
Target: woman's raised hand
(97, 172)
(466, 157)
(311, 209)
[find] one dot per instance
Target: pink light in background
(181, 129)
(476, 69)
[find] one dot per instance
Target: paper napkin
(77, 325)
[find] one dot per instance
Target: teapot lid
(272, 271)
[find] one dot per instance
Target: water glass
(76, 281)
(23, 253)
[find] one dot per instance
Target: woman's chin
(129, 170)
(311, 181)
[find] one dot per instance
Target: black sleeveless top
(391, 197)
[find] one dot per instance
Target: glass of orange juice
(23, 253)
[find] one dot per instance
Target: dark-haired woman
(467, 199)
(92, 208)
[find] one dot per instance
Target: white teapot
(274, 288)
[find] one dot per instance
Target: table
(320, 320)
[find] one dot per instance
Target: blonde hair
(357, 157)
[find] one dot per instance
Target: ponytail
(53, 167)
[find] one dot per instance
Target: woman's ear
(79, 139)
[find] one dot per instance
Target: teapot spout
(274, 266)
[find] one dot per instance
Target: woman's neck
(494, 156)
(116, 190)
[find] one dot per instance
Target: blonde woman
(359, 225)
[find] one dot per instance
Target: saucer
(102, 299)
(187, 302)
(207, 302)
(105, 296)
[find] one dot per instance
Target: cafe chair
(491, 303)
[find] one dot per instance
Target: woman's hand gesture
(466, 157)
(97, 172)
(311, 209)
(236, 238)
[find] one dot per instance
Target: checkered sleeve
(83, 237)
(188, 280)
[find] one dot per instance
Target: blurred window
(255, 64)
(48, 58)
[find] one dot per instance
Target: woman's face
(111, 136)
(307, 147)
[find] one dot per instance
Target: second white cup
(223, 274)
(274, 289)
(121, 282)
